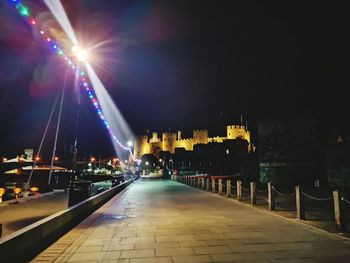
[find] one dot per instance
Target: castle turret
(200, 137)
(178, 135)
(169, 140)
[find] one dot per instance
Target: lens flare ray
(105, 108)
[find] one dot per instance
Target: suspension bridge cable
(57, 127)
(41, 144)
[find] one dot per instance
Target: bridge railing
(297, 200)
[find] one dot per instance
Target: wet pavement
(165, 221)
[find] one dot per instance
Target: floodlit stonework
(171, 140)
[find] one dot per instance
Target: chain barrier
(317, 198)
(245, 189)
(261, 191)
(283, 194)
(345, 200)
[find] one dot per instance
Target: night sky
(179, 65)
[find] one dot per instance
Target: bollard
(207, 184)
(340, 220)
(228, 188)
(199, 182)
(252, 193)
(203, 183)
(220, 186)
(239, 190)
(271, 196)
(213, 185)
(299, 203)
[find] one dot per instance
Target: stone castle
(171, 140)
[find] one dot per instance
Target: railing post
(207, 184)
(239, 190)
(213, 185)
(252, 193)
(203, 183)
(220, 186)
(199, 182)
(271, 196)
(299, 203)
(340, 220)
(228, 188)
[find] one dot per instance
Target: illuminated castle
(171, 140)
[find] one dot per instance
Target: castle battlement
(236, 127)
(200, 131)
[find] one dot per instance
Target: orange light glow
(2, 191)
(34, 189)
(92, 159)
(17, 190)
(56, 158)
(37, 158)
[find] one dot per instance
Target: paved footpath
(164, 221)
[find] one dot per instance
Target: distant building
(290, 152)
(169, 141)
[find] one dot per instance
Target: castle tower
(154, 137)
(238, 131)
(200, 137)
(141, 146)
(168, 142)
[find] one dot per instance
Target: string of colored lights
(83, 82)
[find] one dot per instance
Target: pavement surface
(14, 216)
(165, 221)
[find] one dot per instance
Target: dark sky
(179, 65)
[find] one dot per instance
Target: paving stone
(173, 251)
(192, 259)
(145, 245)
(138, 253)
(151, 260)
(92, 256)
(212, 250)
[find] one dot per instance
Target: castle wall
(185, 143)
(217, 139)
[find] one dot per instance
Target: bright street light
(80, 53)
(129, 143)
(147, 163)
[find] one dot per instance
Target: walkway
(164, 221)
